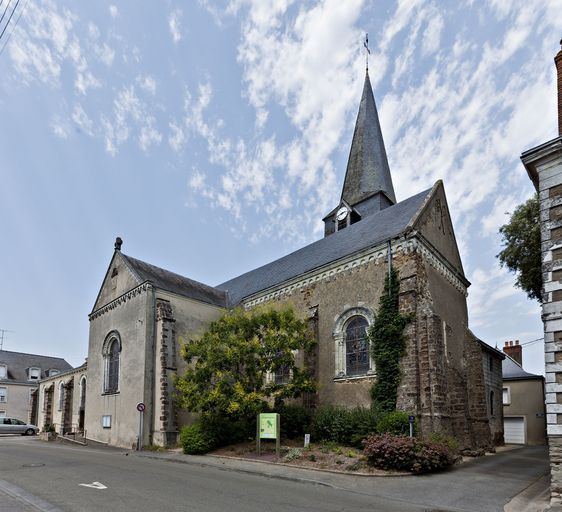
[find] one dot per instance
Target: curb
(320, 470)
(235, 469)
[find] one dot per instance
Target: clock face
(342, 213)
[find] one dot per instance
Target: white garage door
(514, 430)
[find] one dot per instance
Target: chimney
(558, 63)
(515, 351)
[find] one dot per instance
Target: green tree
(388, 344)
(229, 363)
(521, 253)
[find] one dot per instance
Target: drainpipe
(153, 368)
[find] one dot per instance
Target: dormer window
(53, 372)
(3, 371)
(34, 374)
(342, 218)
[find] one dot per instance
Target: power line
(531, 341)
(5, 10)
(9, 19)
(14, 27)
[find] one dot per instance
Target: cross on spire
(367, 52)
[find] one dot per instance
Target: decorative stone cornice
(377, 255)
(144, 287)
(439, 264)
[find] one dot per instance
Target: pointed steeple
(367, 168)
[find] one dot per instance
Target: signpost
(140, 407)
(411, 419)
(269, 427)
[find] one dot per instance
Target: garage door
(514, 430)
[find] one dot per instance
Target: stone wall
(492, 366)
(442, 377)
(544, 165)
(63, 414)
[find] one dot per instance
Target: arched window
(353, 358)
(61, 396)
(112, 356)
(356, 346)
(83, 392)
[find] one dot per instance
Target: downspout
(153, 368)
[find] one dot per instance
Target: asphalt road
(50, 475)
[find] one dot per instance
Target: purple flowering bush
(403, 453)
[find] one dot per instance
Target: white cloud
(113, 11)
(432, 34)
(130, 114)
(174, 25)
(105, 53)
(82, 120)
(85, 80)
(283, 55)
(147, 83)
(149, 135)
(177, 137)
(197, 181)
(60, 128)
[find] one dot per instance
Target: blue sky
(213, 137)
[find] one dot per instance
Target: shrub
(331, 423)
(363, 422)
(292, 454)
(295, 421)
(407, 454)
(342, 425)
(396, 423)
(194, 439)
(441, 438)
(222, 431)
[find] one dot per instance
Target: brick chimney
(558, 63)
(515, 351)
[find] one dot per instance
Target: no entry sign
(141, 407)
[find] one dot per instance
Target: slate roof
(367, 167)
(489, 348)
(513, 371)
(18, 362)
(169, 281)
(369, 232)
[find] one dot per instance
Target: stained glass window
(112, 366)
(356, 346)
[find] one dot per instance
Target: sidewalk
(16, 499)
(534, 497)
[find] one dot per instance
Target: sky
(213, 137)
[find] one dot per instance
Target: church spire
(367, 168)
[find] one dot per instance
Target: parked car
(15, 426)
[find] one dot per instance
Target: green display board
(268, 425)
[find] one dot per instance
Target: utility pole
(2, 333)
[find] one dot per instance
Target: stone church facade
(143, 312)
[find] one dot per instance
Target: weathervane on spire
(368, 52)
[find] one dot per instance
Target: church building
(451, 381)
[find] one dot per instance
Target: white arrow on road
(94, 485)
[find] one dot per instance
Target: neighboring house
(61, 401)
(492, 360)
(143, 312)
(544, 167)
(523, 400)
(19, 376)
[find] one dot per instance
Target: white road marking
(94, 485)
